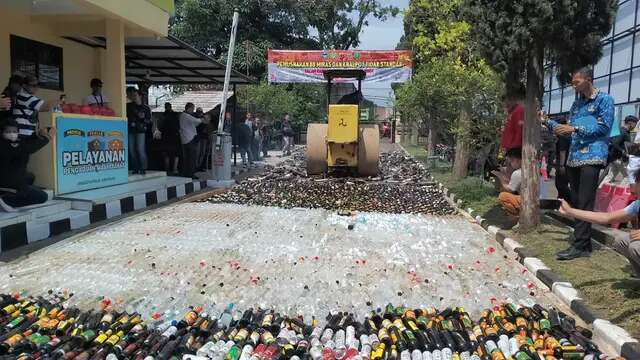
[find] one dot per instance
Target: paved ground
(306, 261)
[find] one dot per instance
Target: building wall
(80, 62)
(617, 73)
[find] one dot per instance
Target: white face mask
(11, 136)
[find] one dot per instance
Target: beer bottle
(389, 312)
(379, 351)
(106, 321)
(226, 317)
(267, 338)
(397, 339)
(277, 324)
(434, 335)
(393, 353)
(87, 354)
(169, 348)
(384, 337)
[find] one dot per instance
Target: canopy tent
(168, 61)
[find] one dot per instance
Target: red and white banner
(302, 66)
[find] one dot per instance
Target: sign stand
(219, 176)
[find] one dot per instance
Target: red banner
(295, 66)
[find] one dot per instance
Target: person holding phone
(589, 125)
(509, 197)
(627, 246)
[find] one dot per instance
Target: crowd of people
(581, 150)
(182, 140)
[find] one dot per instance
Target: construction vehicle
(343, 144)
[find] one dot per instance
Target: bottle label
(88, 335)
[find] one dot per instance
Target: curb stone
(614, 336)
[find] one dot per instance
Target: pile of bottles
(403, 185)
(39, 328)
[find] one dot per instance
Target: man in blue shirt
(629, 246)
(590, 120)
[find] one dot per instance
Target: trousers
(631, 250)
(511, 203)
(583, 182)
(137, 151)
(189, 157)
(29, 195)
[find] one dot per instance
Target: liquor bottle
(106, 321)
(226, 317)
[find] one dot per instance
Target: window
(625, 16)
(622, 54)
(38, 59)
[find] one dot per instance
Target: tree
(437, 32)
(305, 102)
(338, 23)
(514, 36)
(279, 24)
(206, 24)
(451, 100)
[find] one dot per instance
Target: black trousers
(562, 183)
(584, 183)
(189, 157)
(29, 195)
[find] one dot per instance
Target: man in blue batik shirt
(589, 124)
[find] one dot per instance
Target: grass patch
(474, 192)
(602, 280)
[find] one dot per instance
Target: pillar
(113, 66)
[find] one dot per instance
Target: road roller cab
(343, 144)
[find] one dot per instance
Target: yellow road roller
(343, 144)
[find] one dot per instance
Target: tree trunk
(461, 161)
(530, 212)
(403, 132)
(431, 142)
(414, 133)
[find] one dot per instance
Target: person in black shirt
(14, 156)
(139, 118)
(170, 136)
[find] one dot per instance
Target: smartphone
(550, 204)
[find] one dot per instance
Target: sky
(382, 36)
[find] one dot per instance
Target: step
(34, 211)
(148, 175)
(56, 224)
(82, 209)
(85, 200)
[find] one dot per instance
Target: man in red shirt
(512, 133)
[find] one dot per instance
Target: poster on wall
(308, 66)
(90, 153)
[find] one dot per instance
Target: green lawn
(603, 280)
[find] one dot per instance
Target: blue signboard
(91, 153)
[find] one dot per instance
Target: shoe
(574, 254)
(142, 172)
(565, 251)
(6, 207)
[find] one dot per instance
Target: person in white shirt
(509, 197)
(189, 139)
(96, 98)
